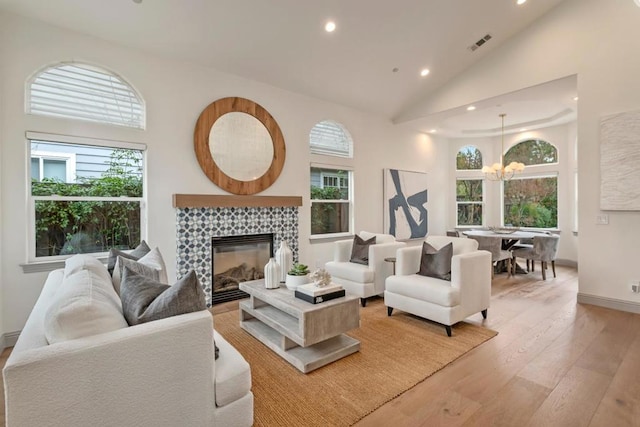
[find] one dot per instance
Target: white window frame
(81, 91)
(68, 158)
(348, 202)
(469, 174)
(318, 140)
(546, 174)
(481, 203)
(31, 214)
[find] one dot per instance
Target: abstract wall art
(405, 204)
(619, 160)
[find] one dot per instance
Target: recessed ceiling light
(523, 130)
(575, 98)
(433, 131)
(424, 72)
(521, 2)
(330, 27)
(396, 69)
(471, 108)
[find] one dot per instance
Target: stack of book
(313, 294)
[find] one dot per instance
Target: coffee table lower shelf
(305, 359)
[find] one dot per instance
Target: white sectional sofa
(160, 373)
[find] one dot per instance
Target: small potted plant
(298, 275)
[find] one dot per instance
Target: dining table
(509, 238)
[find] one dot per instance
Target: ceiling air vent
(480, 42)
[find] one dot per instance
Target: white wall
(175, 94)
(597, 40)
(563, 138)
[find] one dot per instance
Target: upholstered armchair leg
(553, 267)
(363, 302)
(533, 265)
(389, 311)
(543, 267)
(448, 328)
(484, 313)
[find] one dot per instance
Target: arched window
(331, 186)
(468, 157)
(86, 193)
(532, 152)
(330, 138)
(85, 92)
(532, 201)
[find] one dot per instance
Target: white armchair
(362, 280)
(468, 292)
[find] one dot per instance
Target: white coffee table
(306, 335)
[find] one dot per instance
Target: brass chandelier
(498, 171)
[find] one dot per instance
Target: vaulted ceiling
(371, 62)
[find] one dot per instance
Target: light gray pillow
(144, 299)
(141, 250)
(360, 250)
(149, 271)
(436, 263)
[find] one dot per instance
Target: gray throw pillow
(141, 250)
(145, 299)
(436, 263)
(360, 250)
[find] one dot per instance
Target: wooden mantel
(232, 201)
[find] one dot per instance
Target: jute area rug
(396, 353)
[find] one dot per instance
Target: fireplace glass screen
(238, 259)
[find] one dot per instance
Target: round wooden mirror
(239, 145)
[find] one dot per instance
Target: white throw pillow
(85, 262)
(153, 260)
(83, 306)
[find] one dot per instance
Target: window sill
(326, 238)
(47, 266)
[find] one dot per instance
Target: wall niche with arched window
(532, 200)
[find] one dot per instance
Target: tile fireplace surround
(197, 225)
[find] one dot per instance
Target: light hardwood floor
(553, 363)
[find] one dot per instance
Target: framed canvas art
(405, 204)
(619, 159)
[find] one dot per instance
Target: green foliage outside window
(531, 202)
(468, 158)
(532, 152)
(331, 216)
(83, 226)
(470, 191)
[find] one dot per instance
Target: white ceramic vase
(284, 257)
(272, 274)
(293, 282)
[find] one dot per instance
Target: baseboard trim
(616, 304)
(567, 263)
(8, 340)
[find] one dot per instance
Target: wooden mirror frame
(208, 117)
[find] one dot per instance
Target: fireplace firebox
(236, 259)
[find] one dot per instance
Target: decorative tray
(504, 230)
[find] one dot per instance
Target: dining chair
(494, 245)
(544, 249)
